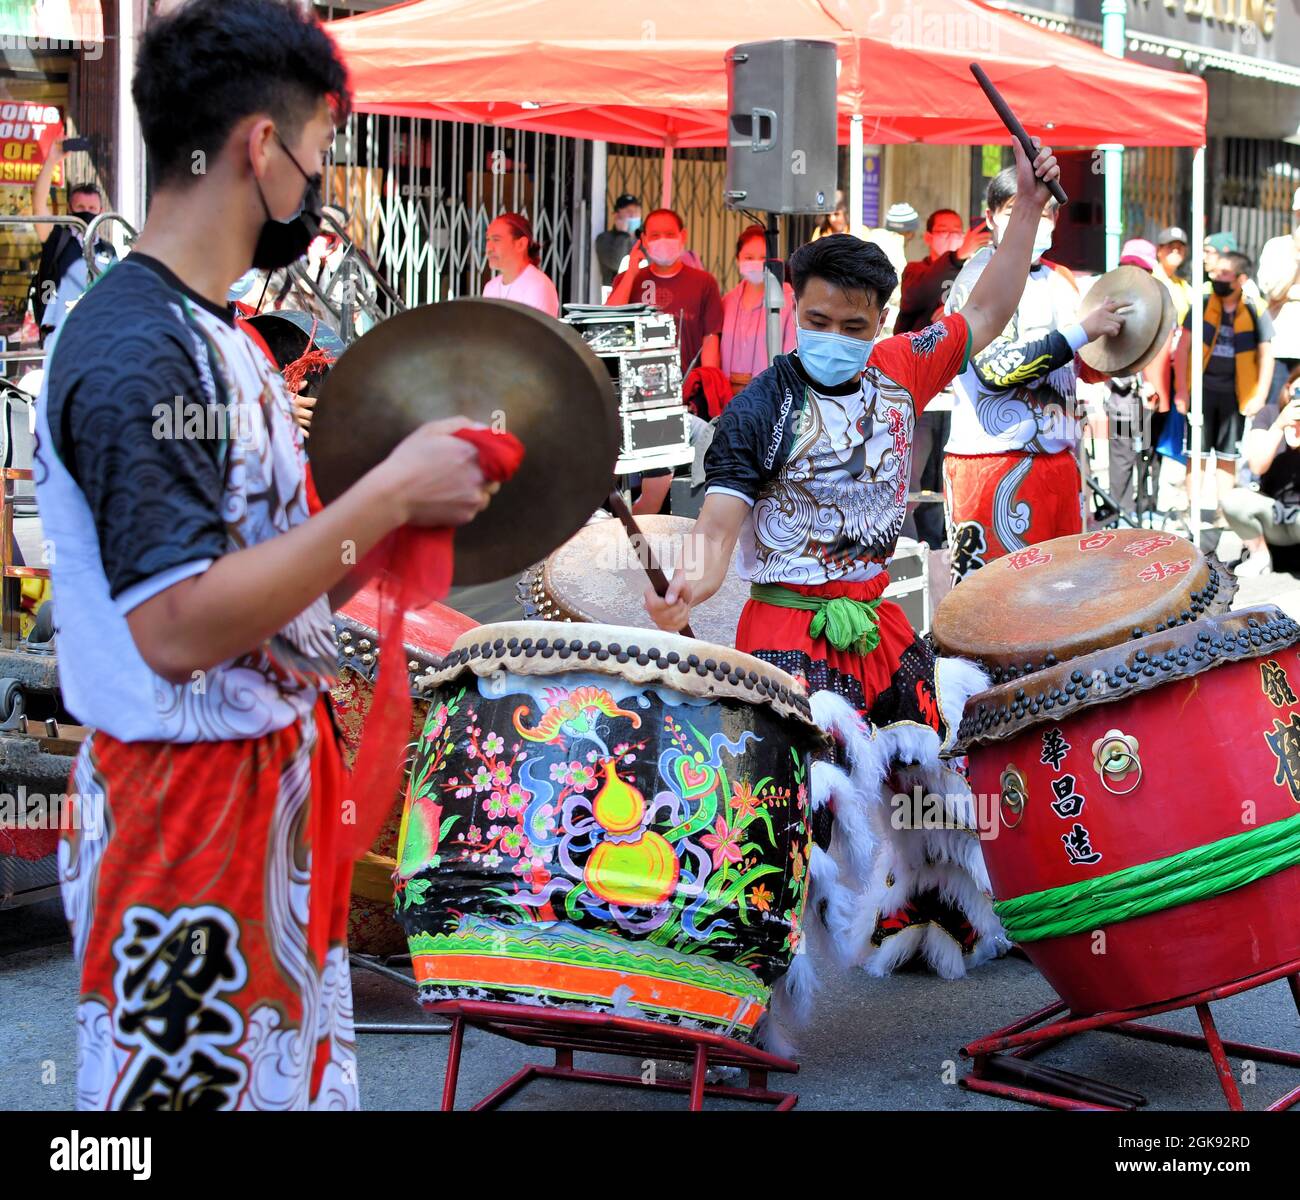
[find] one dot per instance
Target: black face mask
(283, 242)
(1222, 287)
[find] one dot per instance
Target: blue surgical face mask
(832, 358)
(633, 224)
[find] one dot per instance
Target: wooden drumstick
(641, 544)
(1014, 127)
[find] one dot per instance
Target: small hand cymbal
(1139, 296)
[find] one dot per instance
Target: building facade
(1248, 52)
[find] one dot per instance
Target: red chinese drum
(1139, 784)
(429, 633)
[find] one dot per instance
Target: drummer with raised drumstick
(206, 870)
(809, 470)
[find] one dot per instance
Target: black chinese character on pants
(166, 993)
(1068, 802)
(1055, 748)
(206, 1086)
(1079, 846)
(173, 971)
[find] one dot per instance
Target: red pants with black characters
(999, 503)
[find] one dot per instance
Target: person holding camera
(62, 275)
(1268, 520)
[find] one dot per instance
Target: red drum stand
(568, 1032)
(1001, 1066)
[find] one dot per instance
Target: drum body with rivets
(1140, 801)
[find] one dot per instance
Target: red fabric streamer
(715, 386)
(307, 364)
(412, 567)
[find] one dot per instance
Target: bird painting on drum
(809, 471)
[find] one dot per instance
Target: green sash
(847, 624)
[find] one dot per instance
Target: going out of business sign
(27, 132)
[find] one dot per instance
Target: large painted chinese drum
(1142, 833)
(607, 818)
(429, 633)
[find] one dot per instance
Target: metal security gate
(1157, 190)
(420, 194)
(1252, 183)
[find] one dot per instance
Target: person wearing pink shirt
(512, 251)
(744, 319)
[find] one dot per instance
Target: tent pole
(1194, 418)
(1112, 35)
(856, 181)
(666, 191)
(599, 188)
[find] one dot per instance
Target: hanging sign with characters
(28, 132)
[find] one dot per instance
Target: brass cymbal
(1139, 296)
(498, 362)
(1167, 316)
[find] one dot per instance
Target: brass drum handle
(1015, 795)
(1115, 757)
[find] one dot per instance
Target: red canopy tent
(656, 77)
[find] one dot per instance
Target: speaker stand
(774, 287)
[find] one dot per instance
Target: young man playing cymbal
(206, 870)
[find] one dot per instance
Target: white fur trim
(876, 867)
(957, 680)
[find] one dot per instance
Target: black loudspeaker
(781, 127)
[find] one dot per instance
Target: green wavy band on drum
(565, 944)
(1182, 878)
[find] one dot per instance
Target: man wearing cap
(1236, 362)
(615, 244)
(1133, 410)
(1279, 281)
(1216, 246)
(1171, 254)
(901, 223)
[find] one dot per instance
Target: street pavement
(872, 1043)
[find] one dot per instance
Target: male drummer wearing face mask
(207, 866)
(1010, 475)
(809, 470)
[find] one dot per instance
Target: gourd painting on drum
(596, 824)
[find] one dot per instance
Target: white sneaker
(1257, 564)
